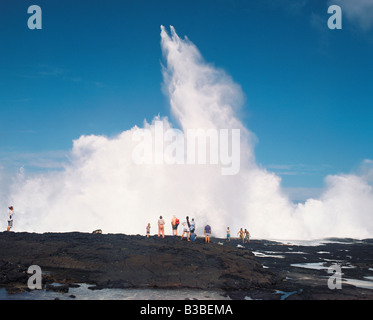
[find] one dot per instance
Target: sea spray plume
(101, 186)
(205, 97)
(345, 209)
(201, 96)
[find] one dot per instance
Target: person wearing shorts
(10, 221)
(192, 226)
(148, 230)
(174, 225)
(161, 224)
(207, 233)
(247, 236)
(241, 235)
(185, 230)
(228, 234)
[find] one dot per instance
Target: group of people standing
(189, 227)
(244, 235)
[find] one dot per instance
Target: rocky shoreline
(132, 261)
(123, 261)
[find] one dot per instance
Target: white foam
(359, 283)
(264, 255)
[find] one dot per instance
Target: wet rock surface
(304, 268)
(255, 270)
(122, 261)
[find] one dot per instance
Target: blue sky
(95, 68)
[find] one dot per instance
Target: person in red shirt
(174, 224)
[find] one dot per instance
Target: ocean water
(83, 293)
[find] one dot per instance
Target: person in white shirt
(192, 225)
(10, 221)
(185, 229)
(161, 224)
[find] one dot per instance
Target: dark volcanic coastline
(124, 261)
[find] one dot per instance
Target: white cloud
(359, 12)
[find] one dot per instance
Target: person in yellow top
(241, 235)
